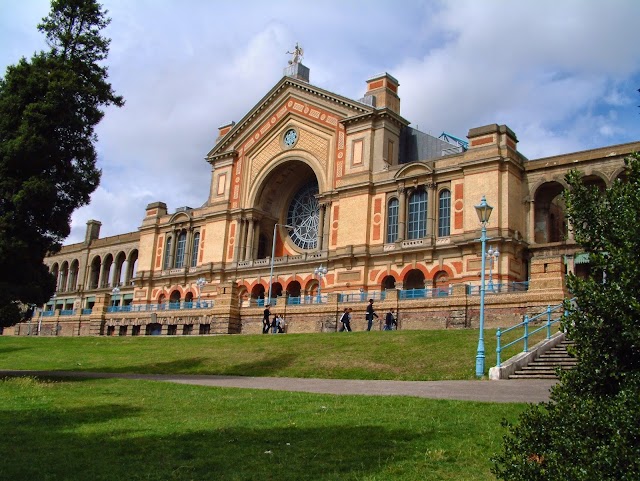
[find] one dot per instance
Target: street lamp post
(273, 253)
(200, 282)
(114, 293)
(53, 297)
(320, 272)
(491, 255)
(484, 212)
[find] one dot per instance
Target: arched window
(444, 214)
(392, 221)
(167, 252)
(194, 249)
(180, 249)
(417, 222)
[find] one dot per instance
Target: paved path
(488, 391)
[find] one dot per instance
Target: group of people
(275, 325)
(390, 319)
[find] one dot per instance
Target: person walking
(370, 315)
(266, 323)
(388, 320)
(346, 320)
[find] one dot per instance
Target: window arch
(444, 213)
(181, 247)
(195, 245)
(167, 252)
(392, 220)
(417, 218)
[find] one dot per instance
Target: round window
(303, 216)
(290, 137)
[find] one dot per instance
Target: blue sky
(562, 75)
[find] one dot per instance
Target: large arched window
(194, 249)
(417, 219)
(167, 252)
(180, 249)
(444, 214)
(392, 221)
(303, 216)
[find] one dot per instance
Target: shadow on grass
(55, 444)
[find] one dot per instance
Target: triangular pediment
(288, 97)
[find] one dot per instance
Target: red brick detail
(201, 246)
(376, 85)
(334, 226)
(159, 252)
(458, 216)
(457, 265)
(392, 87)
(482, 141)
(152, 212)
(511, 143)
(232, 233)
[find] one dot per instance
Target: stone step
(545, 365)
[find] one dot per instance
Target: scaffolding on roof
(454, 140)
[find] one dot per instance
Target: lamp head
(483, 210)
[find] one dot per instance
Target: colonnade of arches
(547, 220)
(413, 279)
(103, 271)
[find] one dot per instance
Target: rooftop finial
(297, 53)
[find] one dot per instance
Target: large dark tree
(49, 107)
(590, 430)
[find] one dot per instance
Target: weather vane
(297, 54)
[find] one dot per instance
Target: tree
(49, 107)
(590, 429)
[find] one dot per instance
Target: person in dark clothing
(388, 320)
(346, 320)
(266, 323)
(370, 315)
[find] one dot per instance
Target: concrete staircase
(544, 366)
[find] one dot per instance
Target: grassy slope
(402, 355)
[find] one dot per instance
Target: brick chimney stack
(384, 89)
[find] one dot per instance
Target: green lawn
(399, 355)
(113, 429)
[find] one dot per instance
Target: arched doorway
(389, 282)
(293, 289)
(414, 279)
(550, 223)
(258, 292)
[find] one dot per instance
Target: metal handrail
(527, 320)
(500, 288)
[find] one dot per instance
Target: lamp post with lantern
(492, 255)
(484, 212)
(320, 272)
(200, 282)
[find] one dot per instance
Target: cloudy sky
(562, 74)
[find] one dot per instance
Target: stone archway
(550, 222)
(414, 279)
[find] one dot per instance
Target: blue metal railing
(363, 296)
(161, 307)
(86, 311)
(48, 313)
(67, 312)
(424, 293)
(527, 333)
(500, 288)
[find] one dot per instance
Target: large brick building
(309, 178)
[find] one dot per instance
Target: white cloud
(562, 75)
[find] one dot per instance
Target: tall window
(180, 249)
(194, 250)
(392, 221)
(444, 214)
(167, 252)
(417, 221)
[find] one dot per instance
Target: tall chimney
(384, 89)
